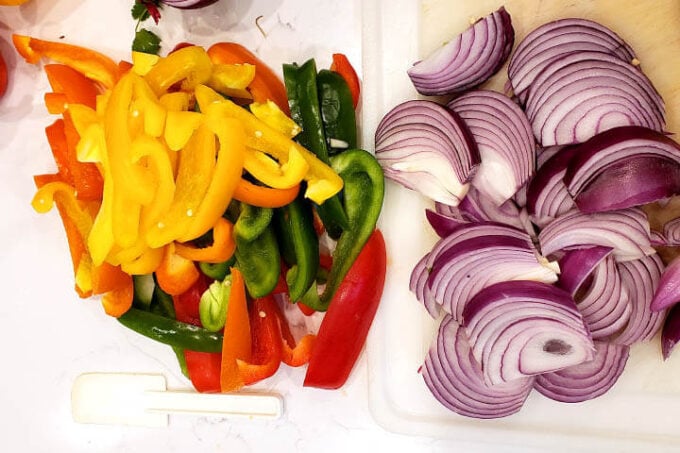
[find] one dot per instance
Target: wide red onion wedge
(524, 328)
(587, 380)
(640, 279)
(623, 167)
(469, 59)
(554, 40)
(626, 231)
(670, 334)
(456, 380)
(603, 303)
(577, 265)
(476, 207)
(427, 148)
(505, 141)
(668, 291)
(583, 94)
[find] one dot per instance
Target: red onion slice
(623, 167)
(668, 291)
(427, 148)
(476, 207)
(456, 380)
(577, 265)
(188, 4)
(604, 303)
(670, 334)
(523, 328)
(671, 233)
(587, 380)
(641, 278)
(626, 231)
(505, 141)
(584, 94)
(554, 40)
(469, 59)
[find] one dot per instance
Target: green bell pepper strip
(214, 304)
(337, 111)
(305, 110)
(299, 245)
(217, 271)
(161, 304)
(257, 251)
(171, 332)
(364, 191)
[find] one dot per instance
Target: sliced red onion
(623, 167)
(553, 41)
(543, 154)
(188, 4)
(456, 380)
(427, 148)
(419, 276)
(524, 328)
(469, 266)
(658, 239)
(671, 233)
(547, 195)
(604, 303)
(668, 291)
(583, 94)
(441, 224)
(476, 207)
(587, 380)
(577, 265)
(505, 141)
(640, 279)
(626, 231)
(467, 60)
(670, 334)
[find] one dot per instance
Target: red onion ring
(577, 265)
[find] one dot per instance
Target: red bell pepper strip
(204, 370)
(186, 304)
(293, 354)
(266, 340)
(3, 75)
(343, 331)
(76, 88)
(342, 66)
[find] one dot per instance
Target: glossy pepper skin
(299, 244)
(337, 110)
(257, 251)
(303, 98)
(364, 190)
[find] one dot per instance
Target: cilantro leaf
(139, 11)
(146, 41)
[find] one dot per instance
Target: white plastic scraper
(143, 400)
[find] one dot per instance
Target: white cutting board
(641, 413)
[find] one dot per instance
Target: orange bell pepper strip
(76, 88)
(342, 66)
(90, 63)
(116, 302)
(237, 342)
(175, 274)
(56, 137)
(107, 278)
(46, 178)
(265, 85)
(264, 197)
(221, 249)
(266, 341)
(87, 178)
(293, 354)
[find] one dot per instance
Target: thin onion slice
(668, 291)
(623, 167)
(587, 380)
(524, 328)
(577, 265)
(671, 233)
(670, 334)
(505, 141)
(456, 380)
(476, 207)
(427, 148)
(469, 59)
(626, 231)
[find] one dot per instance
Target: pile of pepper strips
(194, 204)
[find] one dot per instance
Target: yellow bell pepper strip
(322, 181)
(285, 175)
(189, 66)
(232, 79)
(264, 197)
(272, 115)
(90, 63)
(179, 127)
(175, 102)
(144, 264)
(221, 249)
(176, 274)
(236, 343)
(142, 62)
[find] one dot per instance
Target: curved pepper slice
(264, 197)
(220, 250)
(266, 342)
(189, 66)
(237, 342)
(90, 63)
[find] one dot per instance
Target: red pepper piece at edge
(345, 326)
(266, 342)
(342, 66)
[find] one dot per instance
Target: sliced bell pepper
(189, 66)
(76, 88)
(344, 328)
(237, 341)
(272, 115)
(118, 301)
(3, 75)
(266, 342)
(204, 370)
(176, 274)
(221, 249)
(187, 304)
(292, 353)
(342, 66)
(232, 79)
(264, 197)
(90, 63)
(87, 177)
(337, 112)
(265, 85)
